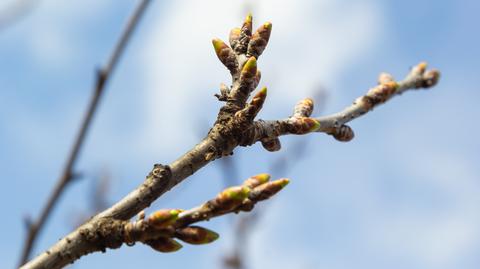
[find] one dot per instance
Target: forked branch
(235, 126)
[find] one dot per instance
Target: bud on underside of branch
(196, 235)
(163, 244)
(344, 133)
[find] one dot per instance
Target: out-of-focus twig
(99, 193)
(97, 198)
(67, 175)
(237, 256)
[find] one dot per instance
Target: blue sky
(403, 194)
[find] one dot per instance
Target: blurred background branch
(237, 256)
(68, 174)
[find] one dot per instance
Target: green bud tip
(218, 45)
(164, 217)
(268, 25)
(165, 245)
(248, 19)
(237, 193)
(213, 236)
(250, 65)
(263, 92)
(315, 125)
(196, 235)
(175, 212)
(210, 236)
(257, 180)
(175, 246)
(262, 178)
(282, 182)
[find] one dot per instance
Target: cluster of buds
(243, 45)
(380, 94)
(425, 78)
(387, 87)
(241, 59)
(161, 228)
(243, 42)
(419, 77)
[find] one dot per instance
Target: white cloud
(50, 30)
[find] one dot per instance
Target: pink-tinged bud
(259, 40)
(419, 69)
(237, 193)
(385, 78)
(260, 96)
(267, 190)
(239, 41)
(258, 100)
(225, 54)
(304, 108)
(249, 69)
(247, 24)
(303, 125)
(196, 235)
(344, 133)
(218, 45)
(430, 78)
(379, 94)
(255, 105)
(230, 198)
(163, 218)
(165, 245)
(256, 180)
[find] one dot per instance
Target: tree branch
(235, 126)
(162, 226)
(67, 175)
(335, 124)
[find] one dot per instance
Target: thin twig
(103, 76)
